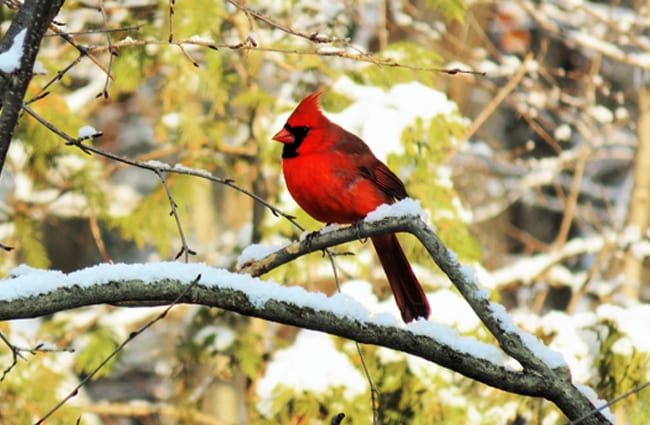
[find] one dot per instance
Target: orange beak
(284, 136)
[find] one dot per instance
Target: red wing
(389, 182)
(370, 166)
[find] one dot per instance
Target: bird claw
(356, 226)
(309, 238)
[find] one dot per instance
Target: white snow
(379, 116)
(562, 133)
(157, 164)
(39, 68)
(196, 171)
(256, 252)
(552, 358)
(450, 337)
(312, 364)
(195, 38)
(27, 281)
(633, 322)
(87, 132)
(601, 113)
(10, 59)
(222, 337)
(171, 120)
(593, 398)
(404, 207)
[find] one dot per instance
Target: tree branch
(540, 377)
(34, 16)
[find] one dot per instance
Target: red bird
(334, 176)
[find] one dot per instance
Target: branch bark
(538, 378)
(35, 17)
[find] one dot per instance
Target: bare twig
(16, 353)
(313, 37)
(83, 50)
(97, 236)
(111, 52)
(186, 251)
(373, 388)
(171, 20)
(500, 97)
(610, 403)
(96, 31)
(572, 201)
(358, 56)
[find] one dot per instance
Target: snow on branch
(32, 293)
(18, 49)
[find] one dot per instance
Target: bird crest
(308, 112)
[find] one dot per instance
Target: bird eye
(298, 131)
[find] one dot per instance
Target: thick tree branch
(34, 16)
(539, 378)
(216, 293)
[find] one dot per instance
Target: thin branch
(171, 20)
(313, 37)
(186, 251)
(96, 31)
(500, 97)
(111, 52)
(572, 201)
(83, 50)
(16, 353)
(373, 388)
(251, 46)
(156, 166)
(610, 403)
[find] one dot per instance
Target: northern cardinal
(334, 176)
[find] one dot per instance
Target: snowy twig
(156, 166)
(32, 20)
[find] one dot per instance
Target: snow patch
(10, 59)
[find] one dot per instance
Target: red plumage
(334, 176)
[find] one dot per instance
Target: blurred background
(534, 168)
